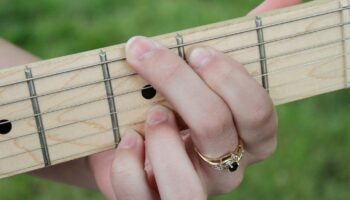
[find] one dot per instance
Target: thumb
(268, 5)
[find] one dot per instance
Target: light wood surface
(76, 131)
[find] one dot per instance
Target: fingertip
(199, 56)
(160, 121)
(138, 48)
(131, 139)
(157, 115)
(132, 40)
(203, 58)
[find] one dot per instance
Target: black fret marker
(148, 92)
(5, 126)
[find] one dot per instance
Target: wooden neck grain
(77, 122)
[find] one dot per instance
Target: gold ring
(228, 161)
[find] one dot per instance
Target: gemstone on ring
(233, 167)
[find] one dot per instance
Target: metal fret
(262, 53)
(181, 47)
(37, 116)
(346, 33)
(110, 98)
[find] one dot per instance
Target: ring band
(228, 161)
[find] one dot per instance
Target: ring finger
(250, 104)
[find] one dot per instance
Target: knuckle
(262, 114)
(212, 129)
(234, 184)
(270, 128)
(267, 151)
(229, 186)
(215, 121)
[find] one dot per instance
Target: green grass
(312, 160)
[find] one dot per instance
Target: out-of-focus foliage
(312, 160)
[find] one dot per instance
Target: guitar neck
(70, 107)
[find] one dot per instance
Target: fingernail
(199, 56)
(139, 47)
(156, 116)
(129, 140)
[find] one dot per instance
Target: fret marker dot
(5, 126)
(148, 92)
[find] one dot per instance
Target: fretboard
(70, 107)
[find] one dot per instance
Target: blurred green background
(313, 157)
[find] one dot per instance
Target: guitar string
(117, 128)
(226, 51)
(151, 103)
(186, 44)
(288, 37)
(89, 152)
(69, 88)
(78, 104)
(131, 108)
(133, 74)
(107, 130)
(284, 69)
(55, 144)
(303, 65)
(264, 26)
(334, 86)
(298, 51)
(336, 10)
(290, 83)
(315, 91)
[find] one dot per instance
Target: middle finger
(206, 114)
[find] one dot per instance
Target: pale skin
(228, 104)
